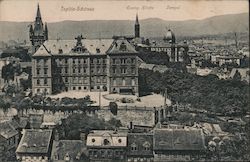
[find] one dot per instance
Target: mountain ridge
(150, 27)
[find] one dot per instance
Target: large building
(83, 65)
(177, 52)
(39, 33)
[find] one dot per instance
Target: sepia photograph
(124, 81)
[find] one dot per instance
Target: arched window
(133, 147)
(146, 146)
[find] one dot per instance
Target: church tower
(38, 34)
(137, 27)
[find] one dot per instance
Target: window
(133, 70)
(79, 70)
(74, 61)
(66, 80)
(146, 146)
(45, 71)
(123, 61)
(66, 61)
(133, 147)
(74, 70)
(38, 82)
(93, 140)
(98, 61)
(114, 70)
(84, 61)
(123, 70)
(98, 70)
(113, 61)
(79, 88)
(66, 70)
(132, 60)
(38, 71)
(84, 70)
(106, 142)
(45, 81)
(120, 140)
(74, 88)
(98, 80)
(104, 61)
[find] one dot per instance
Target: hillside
(152, 27)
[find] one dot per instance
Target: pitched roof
(121, 45)
(140, 140)
(7, 130)
(178, 139)
(93, 46)
(73, 148)
(35, 141)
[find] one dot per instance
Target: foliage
(74, 124)
(154, 58)
(228, 97)
(113, 108)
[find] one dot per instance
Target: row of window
(45, 71)
(43, 61)
(106, 153)
(123, 61)
(45, 81)
(81, 61)
(123, 70)
(123, 82)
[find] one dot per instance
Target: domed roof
(170, 36)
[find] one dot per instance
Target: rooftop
(35, 141)
(74, 149)
(178, 139)
(7, 129)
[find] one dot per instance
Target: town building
(9, 137)
(178, 144)
(107, 145)
(35, 145)
(140, 147)
(68, 150)
(85, 65)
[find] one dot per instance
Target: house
(9, 137)
(35, 145)
(107, 145)
(140, 147)
(178, 144)
(68, 151)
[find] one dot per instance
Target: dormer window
(106, 142)
(133, 147)
(98, 50)
(60, 51)
(123, 47)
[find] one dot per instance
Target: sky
(59, 10)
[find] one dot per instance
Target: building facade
(85, 65)
(105, 145)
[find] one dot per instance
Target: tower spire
(136, 19)
(38, 13)
(137, 27)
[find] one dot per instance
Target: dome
(169, 37)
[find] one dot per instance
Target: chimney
(131, 125)
(83, 137)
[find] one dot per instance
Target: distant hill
(152, 27)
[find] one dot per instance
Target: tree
(237, 76)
